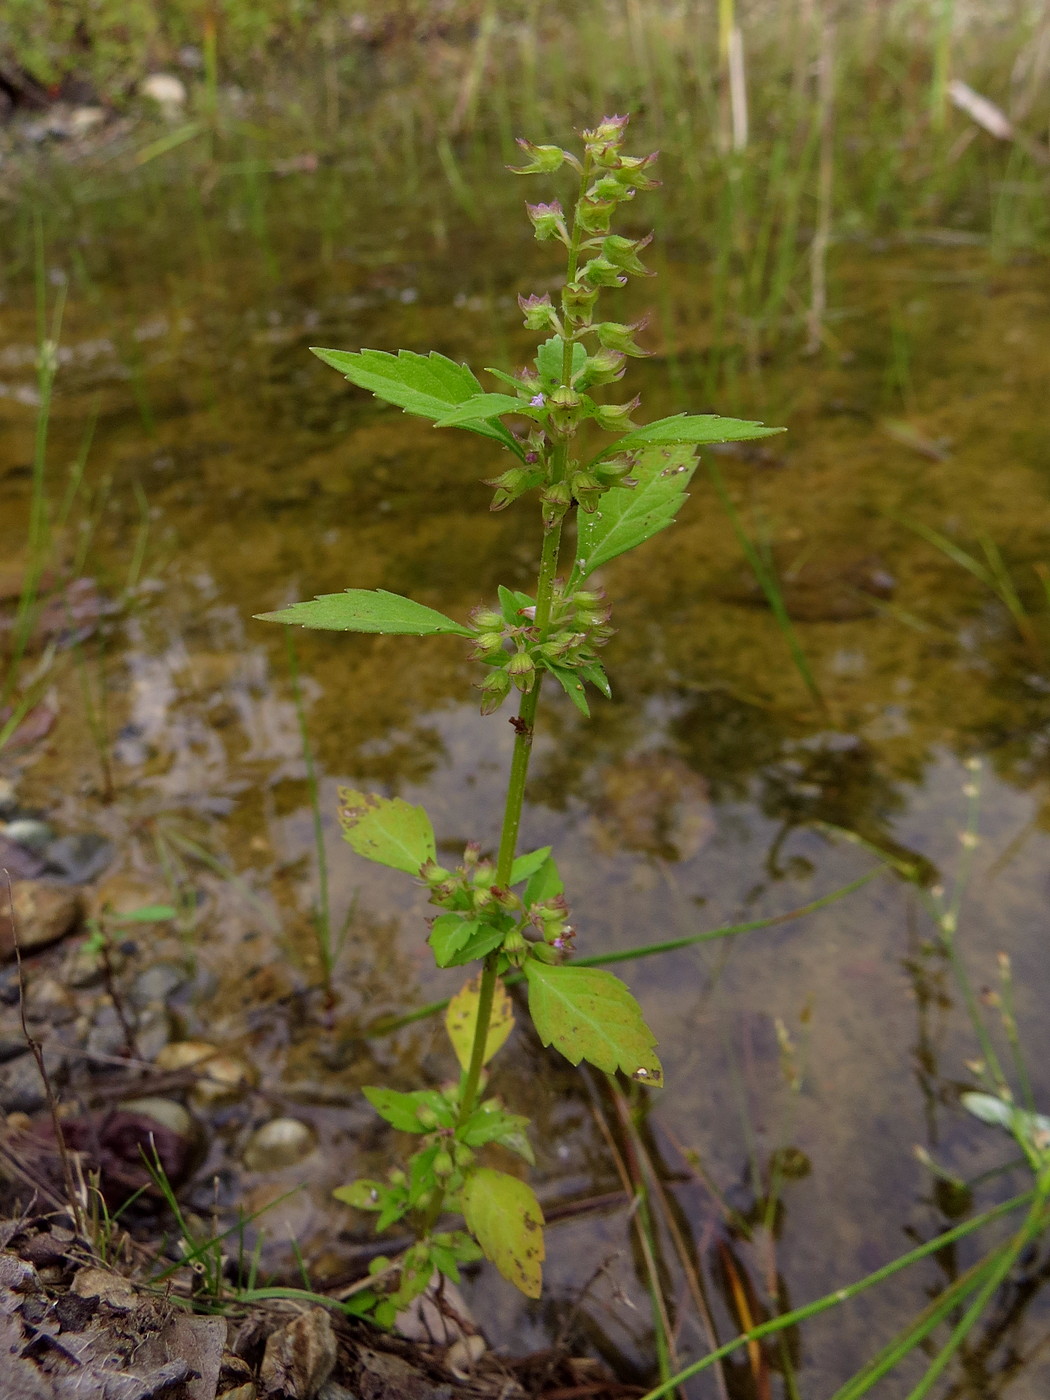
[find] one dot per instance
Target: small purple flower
(537, 401)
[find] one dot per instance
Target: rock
(280, 1143)
(123, 894)
(8, 799)
(167, 1112)
(86, 966)
(156, 984)
(84, 119)
(29, 832)
(42, 915)
(18, 861)
(21, 1088)
(167, 91)
(78, 859)
(221, 1078)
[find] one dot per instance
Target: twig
(35, 1048)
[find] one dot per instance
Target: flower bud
(600, 272)
(555, 501)
(426, 1117)
(522, 670)
(494, 690)
(487, 646)
(616, 417)
(623, 253)
(511, 484)
(587, 489)
(605, 367)
(484, 619)
(577, 300)
(543, 160)
(614, 335)
(544, 953)
(594, 215)
(610, 188)
(443, 1164)
(548, 220)
(539, 313)
(507, 900)
(514, 944)
(613, 471)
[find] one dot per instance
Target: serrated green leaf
(448, 934)
(484, 407)
(511, 603)
(545, 884)
(504, 1216)
(428, 385)
(695, 429)
(526, 866)
(363, 1194)
(587, 1014)
(493, 1125)
(444, 1261)
(595, 675)
(368, 610)
(503, 377)
(387, 830)
(572, 684)
(628, 516)
(421, 1178)
(549, 359)
(399, 1110)
(461, 1018)
(403, 1111)
(483, 941)
(148, 914)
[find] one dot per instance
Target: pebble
(282, 1142)
(8, 800)
(86, 966)
(42, 915)
(157, 984)
(167, 1112)
(29, 832)
(22, 1089)
(222, 1078)
(78, 859)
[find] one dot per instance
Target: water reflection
(707, 793)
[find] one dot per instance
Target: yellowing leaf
(388, 830)
(504, 1216)
(590, 1015)
(462, 1017)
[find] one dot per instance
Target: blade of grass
(840, 1295)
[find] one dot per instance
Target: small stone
(8, 800)
(221, 1078)
(78, 859)
(22, 1089)
(462, 1356)
(248, 1391)
(282, 1142)
(29, 832)
(42, 915)
(157, 984)
(86, 966)
(167, 1112)
(167, 91)
(50, 1000)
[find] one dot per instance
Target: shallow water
(706, 794)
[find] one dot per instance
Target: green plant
(509, 912)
